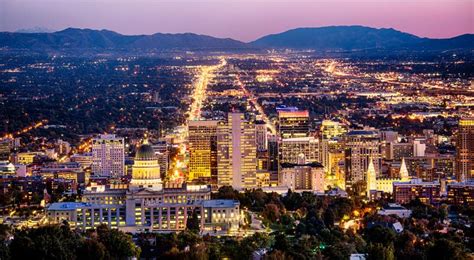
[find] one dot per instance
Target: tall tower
(261, 136)
(146, 169)
(236, 152)
(361, 148)
(202, 149)
(331, 132)
(108, 156)
(371, 179)
(465, 149)
(293, 123)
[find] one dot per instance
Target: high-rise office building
(465, 149)
(292, 148)
(330, 129)
(236, 152)
(4, 149)
(361, 147)
(273, 153)
(162, 154)
(293, 123)
(331, 132)
(261, 135)
(108, 157)
(202, 149)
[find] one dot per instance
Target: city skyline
(242, 20)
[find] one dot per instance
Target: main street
(200, 88)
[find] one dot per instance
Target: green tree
(444, 249)
(91, 249)
(193, 223)
(48, 242)
(118, 244)
(379, 251)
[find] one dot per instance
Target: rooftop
(220, 203)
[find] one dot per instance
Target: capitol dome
(145, 152)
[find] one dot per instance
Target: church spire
(404, 176)
(371, 178)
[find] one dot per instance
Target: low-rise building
(395, 209)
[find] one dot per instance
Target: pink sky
(239, 19)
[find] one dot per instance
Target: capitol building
(145, 204)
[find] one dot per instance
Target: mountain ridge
(328, 38)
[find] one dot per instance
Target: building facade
(465, 149)
(108, 156)
(236, 152)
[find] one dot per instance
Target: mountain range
(331, 38)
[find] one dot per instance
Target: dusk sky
(239, 19)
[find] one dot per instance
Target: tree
(444, 249)
(91, 249)
(118, 244)
(271, 213)
(193, 223)
(48, 242)
(379, 251)
(379, 234)
(329, 218)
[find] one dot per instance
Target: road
(200, 87)
(253, 100)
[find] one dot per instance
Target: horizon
(246, 41)
(431, 19)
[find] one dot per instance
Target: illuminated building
(146, 170)
(84, 160)
(400, 150)
(4, 149)
(302, 176)
(292, 148)
(273, 153)
(236, 153)
(108, 157)
(361, 147)
(147, 211)
(202, 149)
(465, 149)
(63, 147)
(419, 147)
(145, 205)
(427, 192)
(371, 180)
(27, 158)
(331, 129)
(7, 169)
(330, 133)
(67, 171)
(261, 135)
(461, 193)
(162, 154)
(385, 184)
(293, 123)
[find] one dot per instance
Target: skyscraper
(293, 148)
(202, 149)
(465, 149)
(361, 147)
(236, 152)
(330, 133)
(261, 135)
(108, 156)
(293, 123)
